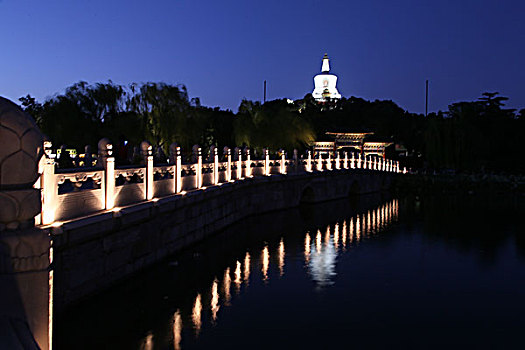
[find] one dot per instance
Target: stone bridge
(87, 228)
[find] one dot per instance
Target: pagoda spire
(326, 64)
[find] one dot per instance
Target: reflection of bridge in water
(320, 252)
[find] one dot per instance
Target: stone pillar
(215, 165)
(227, 153)
(345, 162)
(197, 153)
(266, 162)
(147, 155)
(238, 155)
(352, 161)
(248, 162)
(319, 162)
(178, 171)
(329, 162)
(110, 182)
(24, 250)
(338, 161)
(282, 168)
(309, 161)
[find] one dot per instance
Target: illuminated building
(325, 83)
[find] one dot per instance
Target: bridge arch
(354, 189)
(307, 195)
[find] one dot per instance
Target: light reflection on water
(431, 269)
(177, 330)
(320, 259)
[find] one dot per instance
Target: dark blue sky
(222, 50)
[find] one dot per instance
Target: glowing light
(265, 257)
(116, 209)
(196, 314)
(351, 230)
(318, 241)
(177, 330)
(307, 242)
(357, 229)
(343, 238)
(281, 257)
(214, 303)
(336, 236)
(237, 279)
(183, 192)
(247, 268)
(155, 200)
(226, 286)
(368, 223)
(57, 224)
(203, 188)
(327, 235)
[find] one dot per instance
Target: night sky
(223, 50)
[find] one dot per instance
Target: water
(373, 272)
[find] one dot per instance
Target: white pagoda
(325, 83)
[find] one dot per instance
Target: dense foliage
(471, 136)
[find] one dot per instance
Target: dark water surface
(373, 272)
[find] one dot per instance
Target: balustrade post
(177, 175)
(149, 174)
(319, 162)
(198, 171)
(215, 166)
(370, 163)
(338, 161)
(49, 191)
(352, 162)
(248, 163)
(283, 163)
(329, 162)
(359, 162)
(375, 163)
(309, 161)
(239, 162)
(266, 162)
(229, 168)
(110, 181)
(345, 162)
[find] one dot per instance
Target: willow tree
(165, 112)
(276, 124)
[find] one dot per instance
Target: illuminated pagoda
(325, 83)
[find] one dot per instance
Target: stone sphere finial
(104, 145)
(21, 147)
(145, 148)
